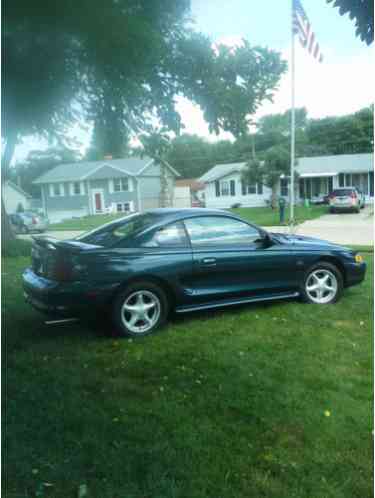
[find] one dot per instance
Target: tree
(78, 57)
(276, 162)
(190, 155)
(363, 13)
(39, 162)
(350, 134)
(156, 145)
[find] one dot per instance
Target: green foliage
(276, 162)
(16, 248)
(192, 156)
(123, 63)
(233, 83)
(39, 162)
(348, 134)
(363, 13)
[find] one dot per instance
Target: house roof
(19, 189)
(221, 170)
(190, 182)
(332, 165)
(306, 166)
(132, 166)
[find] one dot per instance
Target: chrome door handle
(209, 261)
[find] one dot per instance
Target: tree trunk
(6, 229)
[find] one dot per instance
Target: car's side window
(172, 235)
(220, 231)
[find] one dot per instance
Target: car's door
(231, 259)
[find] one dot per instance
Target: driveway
(344, 228)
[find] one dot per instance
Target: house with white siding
(108, 186)
(14, 197)
(316, 177)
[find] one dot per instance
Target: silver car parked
(28, 221)
(346, 199)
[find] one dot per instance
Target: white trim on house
(102, 166)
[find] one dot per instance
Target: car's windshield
(124, 229)
(342, 192)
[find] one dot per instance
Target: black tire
(149, 288)
(332, 269)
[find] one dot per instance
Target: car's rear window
(342, 192)
(126, 229)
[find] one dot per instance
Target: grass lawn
(263, 216)
(266, 217)
(85, 223)
(260, 401)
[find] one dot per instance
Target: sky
(342, 84)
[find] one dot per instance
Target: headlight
(358, 258)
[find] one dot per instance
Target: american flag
(302, 28)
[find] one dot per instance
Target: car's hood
(310, 242)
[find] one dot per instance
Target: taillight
(353, 195)
(67, 269)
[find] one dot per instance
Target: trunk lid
(57, 259)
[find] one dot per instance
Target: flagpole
(293, 127)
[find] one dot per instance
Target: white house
(224, 187)
(14, 196)
(317, 177)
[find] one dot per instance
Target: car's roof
(182, 212)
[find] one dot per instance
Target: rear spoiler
(71, 245)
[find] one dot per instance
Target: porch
(316, 186)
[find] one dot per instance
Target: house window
(284, 191)
(77, 188)
(224, 187)
(341, 180)
(57, 190)
(232, 188)
(348, 180)
(217, 188)
(252, 188)
(123, 207)
(120, 184)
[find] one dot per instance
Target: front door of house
(98, 201)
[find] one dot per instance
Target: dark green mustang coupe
(144, 266)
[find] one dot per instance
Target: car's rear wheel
(140, 309)
(323, 284)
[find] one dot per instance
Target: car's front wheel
(140, 309)
(323, 284)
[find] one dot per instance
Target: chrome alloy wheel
(321, 286)
(140, 311)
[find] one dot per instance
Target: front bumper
(354, 273)
(64, 299)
